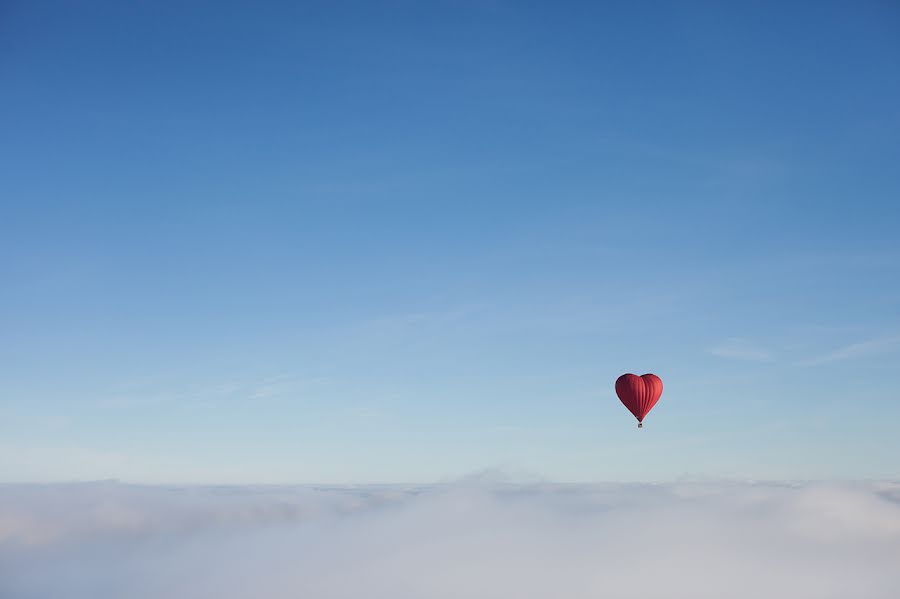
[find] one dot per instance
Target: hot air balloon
(639, 393)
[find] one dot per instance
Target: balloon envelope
(639, 393)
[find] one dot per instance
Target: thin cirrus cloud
(740, 349)
(272, 387)
(469, 539)
(856, 350)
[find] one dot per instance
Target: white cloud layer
(463, 540)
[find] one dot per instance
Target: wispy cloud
(740, 349)
(272, 387)
(855, 350)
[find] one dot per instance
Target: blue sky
(403, 241)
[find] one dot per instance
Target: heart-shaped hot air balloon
(639, 393)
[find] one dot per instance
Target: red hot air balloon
(639, 393)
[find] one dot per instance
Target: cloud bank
(464, 540)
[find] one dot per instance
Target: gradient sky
(403, 241)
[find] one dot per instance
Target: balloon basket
(640, 425)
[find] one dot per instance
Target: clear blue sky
(402, 241)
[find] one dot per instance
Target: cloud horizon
(474, 538)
